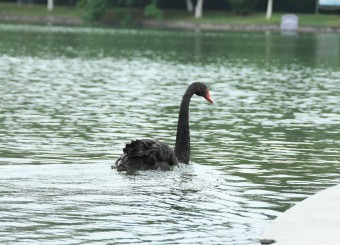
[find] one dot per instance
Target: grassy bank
(131, 16)
(260, 19)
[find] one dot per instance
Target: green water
(70, 98)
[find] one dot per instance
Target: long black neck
(182, 147)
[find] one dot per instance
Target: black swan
(149, 154)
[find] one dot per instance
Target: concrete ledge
(315, 220)
(228, 27)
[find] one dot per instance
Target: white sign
(330, 3)
(289, 22)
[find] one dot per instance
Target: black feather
(146, 154)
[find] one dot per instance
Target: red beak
(208, 98)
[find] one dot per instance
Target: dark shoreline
(226, 27)
(178, 25)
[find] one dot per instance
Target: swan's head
(202, 90)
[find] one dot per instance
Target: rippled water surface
(72, 97)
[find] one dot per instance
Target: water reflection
(73, 98)
(274, 48)
(328, 50)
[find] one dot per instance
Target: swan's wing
(146, 154)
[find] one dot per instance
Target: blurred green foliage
(93, 9)
(242, 7)
(153, 11)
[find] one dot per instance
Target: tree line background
(294, 6)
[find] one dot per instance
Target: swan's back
(146, 155)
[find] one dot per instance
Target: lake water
(72, 97)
